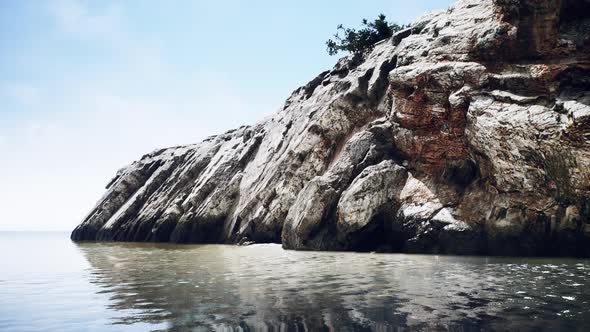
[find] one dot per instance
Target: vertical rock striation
(467, 133)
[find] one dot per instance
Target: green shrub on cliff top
(357, 41)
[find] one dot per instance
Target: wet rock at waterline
(468, 133)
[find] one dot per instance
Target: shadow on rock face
(461, 173)
(572, 10)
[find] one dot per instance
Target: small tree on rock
(357, 41)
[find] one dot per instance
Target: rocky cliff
(467, 133)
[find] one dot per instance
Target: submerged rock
(468, 133)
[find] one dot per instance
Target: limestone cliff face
(467, 133)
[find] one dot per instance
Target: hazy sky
(87, 87)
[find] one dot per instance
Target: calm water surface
(49, 283)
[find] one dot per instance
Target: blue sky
(86, 87)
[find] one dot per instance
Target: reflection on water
(264, 288)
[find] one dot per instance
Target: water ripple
(140, 287)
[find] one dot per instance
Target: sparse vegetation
(357, 41)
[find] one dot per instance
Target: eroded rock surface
(467, 133)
